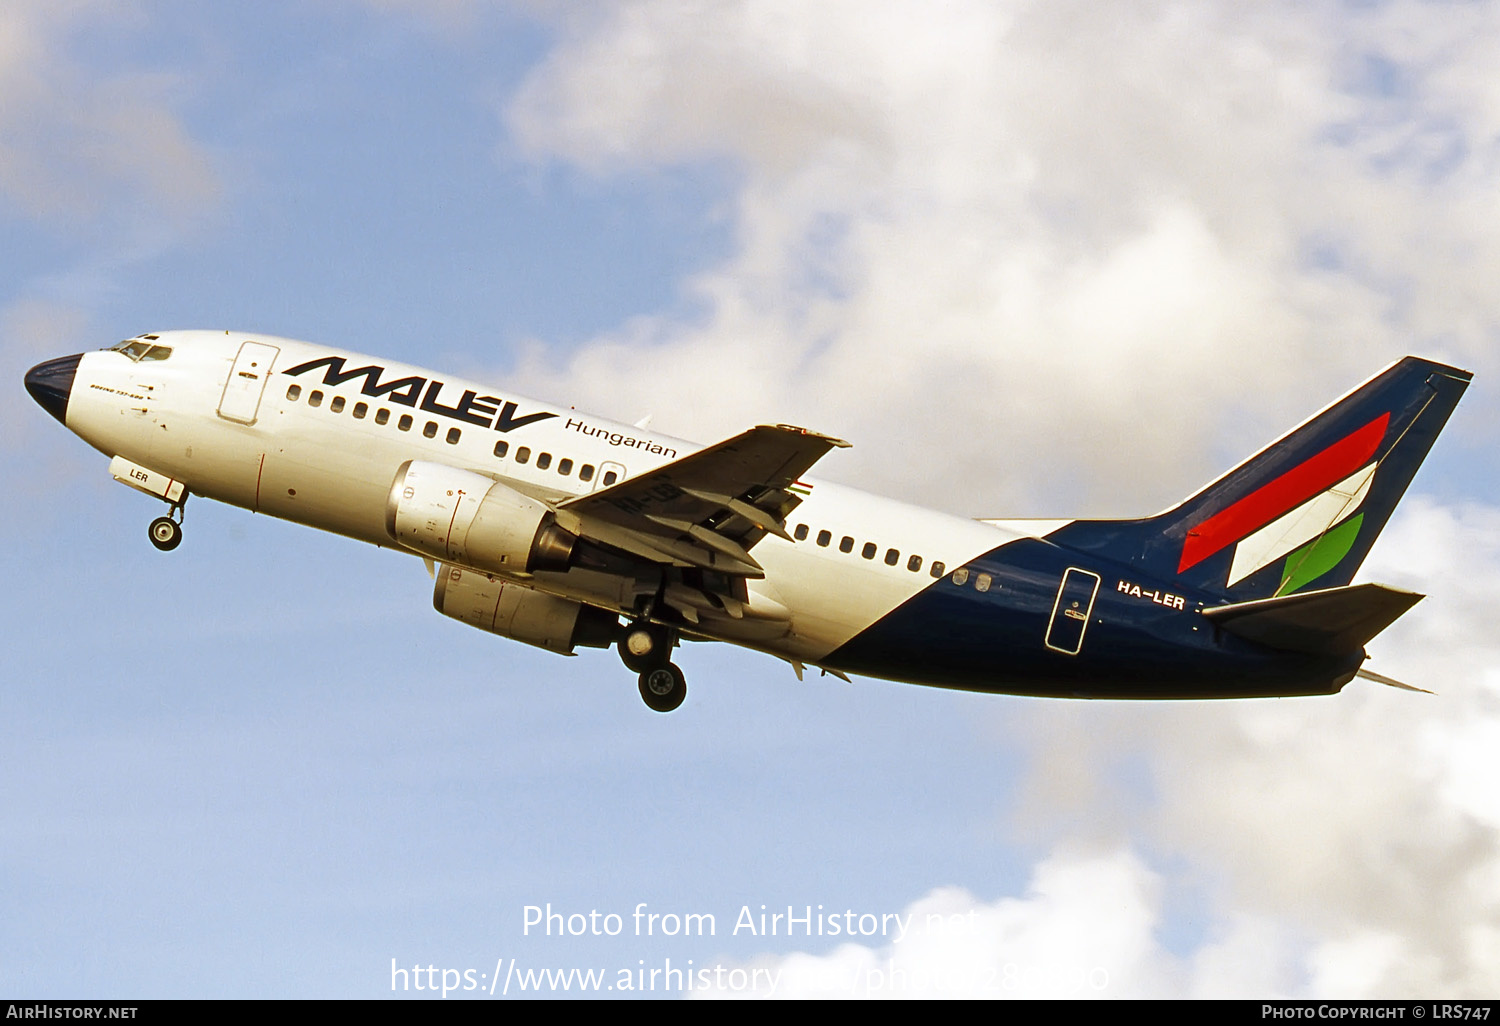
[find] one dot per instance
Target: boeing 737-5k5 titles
(564, 530)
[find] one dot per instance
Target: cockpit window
(139, 349)
(133, 347)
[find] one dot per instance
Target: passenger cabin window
(429, 430)
(892, 557)
(404, 424)
(938, 568)
(846, 544)
(315, 398)
(293, 392)
(610, 477)
(523, 455)
(914, 564)
(360, 409)
(982, 582)
(565, 467)
(961, 576)
(501, 448)
(824, 537)
(868, 551)
(382, 416)
(453, 436)
(801, 533)
(586, 472)
(337, 404)
(543, 460)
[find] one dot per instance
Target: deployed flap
(708, 509)
(1334, 621)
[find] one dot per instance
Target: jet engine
(521, 613)
(458, 516)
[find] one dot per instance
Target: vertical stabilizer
(1303, 512)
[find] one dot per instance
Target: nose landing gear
(165, 532)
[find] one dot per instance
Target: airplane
(564, 530)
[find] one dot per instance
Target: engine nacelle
(521, 613)
(458, 516)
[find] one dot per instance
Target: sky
(1032, 259)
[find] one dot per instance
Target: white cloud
(1089, 925)
(1083, 929)
(1001, 240)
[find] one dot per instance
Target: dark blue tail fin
(1302, 512)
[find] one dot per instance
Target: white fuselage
(259, 438)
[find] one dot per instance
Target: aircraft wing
(709, 509)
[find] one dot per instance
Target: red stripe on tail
(1274, 498)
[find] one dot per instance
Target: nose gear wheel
(165, 533)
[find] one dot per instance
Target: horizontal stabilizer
(1334, 621)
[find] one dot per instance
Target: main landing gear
(663, 688)
(646, 648)
(166, 532)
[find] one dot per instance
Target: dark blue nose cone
(51, 383)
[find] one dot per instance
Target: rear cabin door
(247, 381)
(1071, 610)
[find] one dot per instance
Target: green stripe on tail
(1316, 558)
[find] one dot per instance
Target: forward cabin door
(247, 382)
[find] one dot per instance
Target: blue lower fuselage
(1035, 618)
